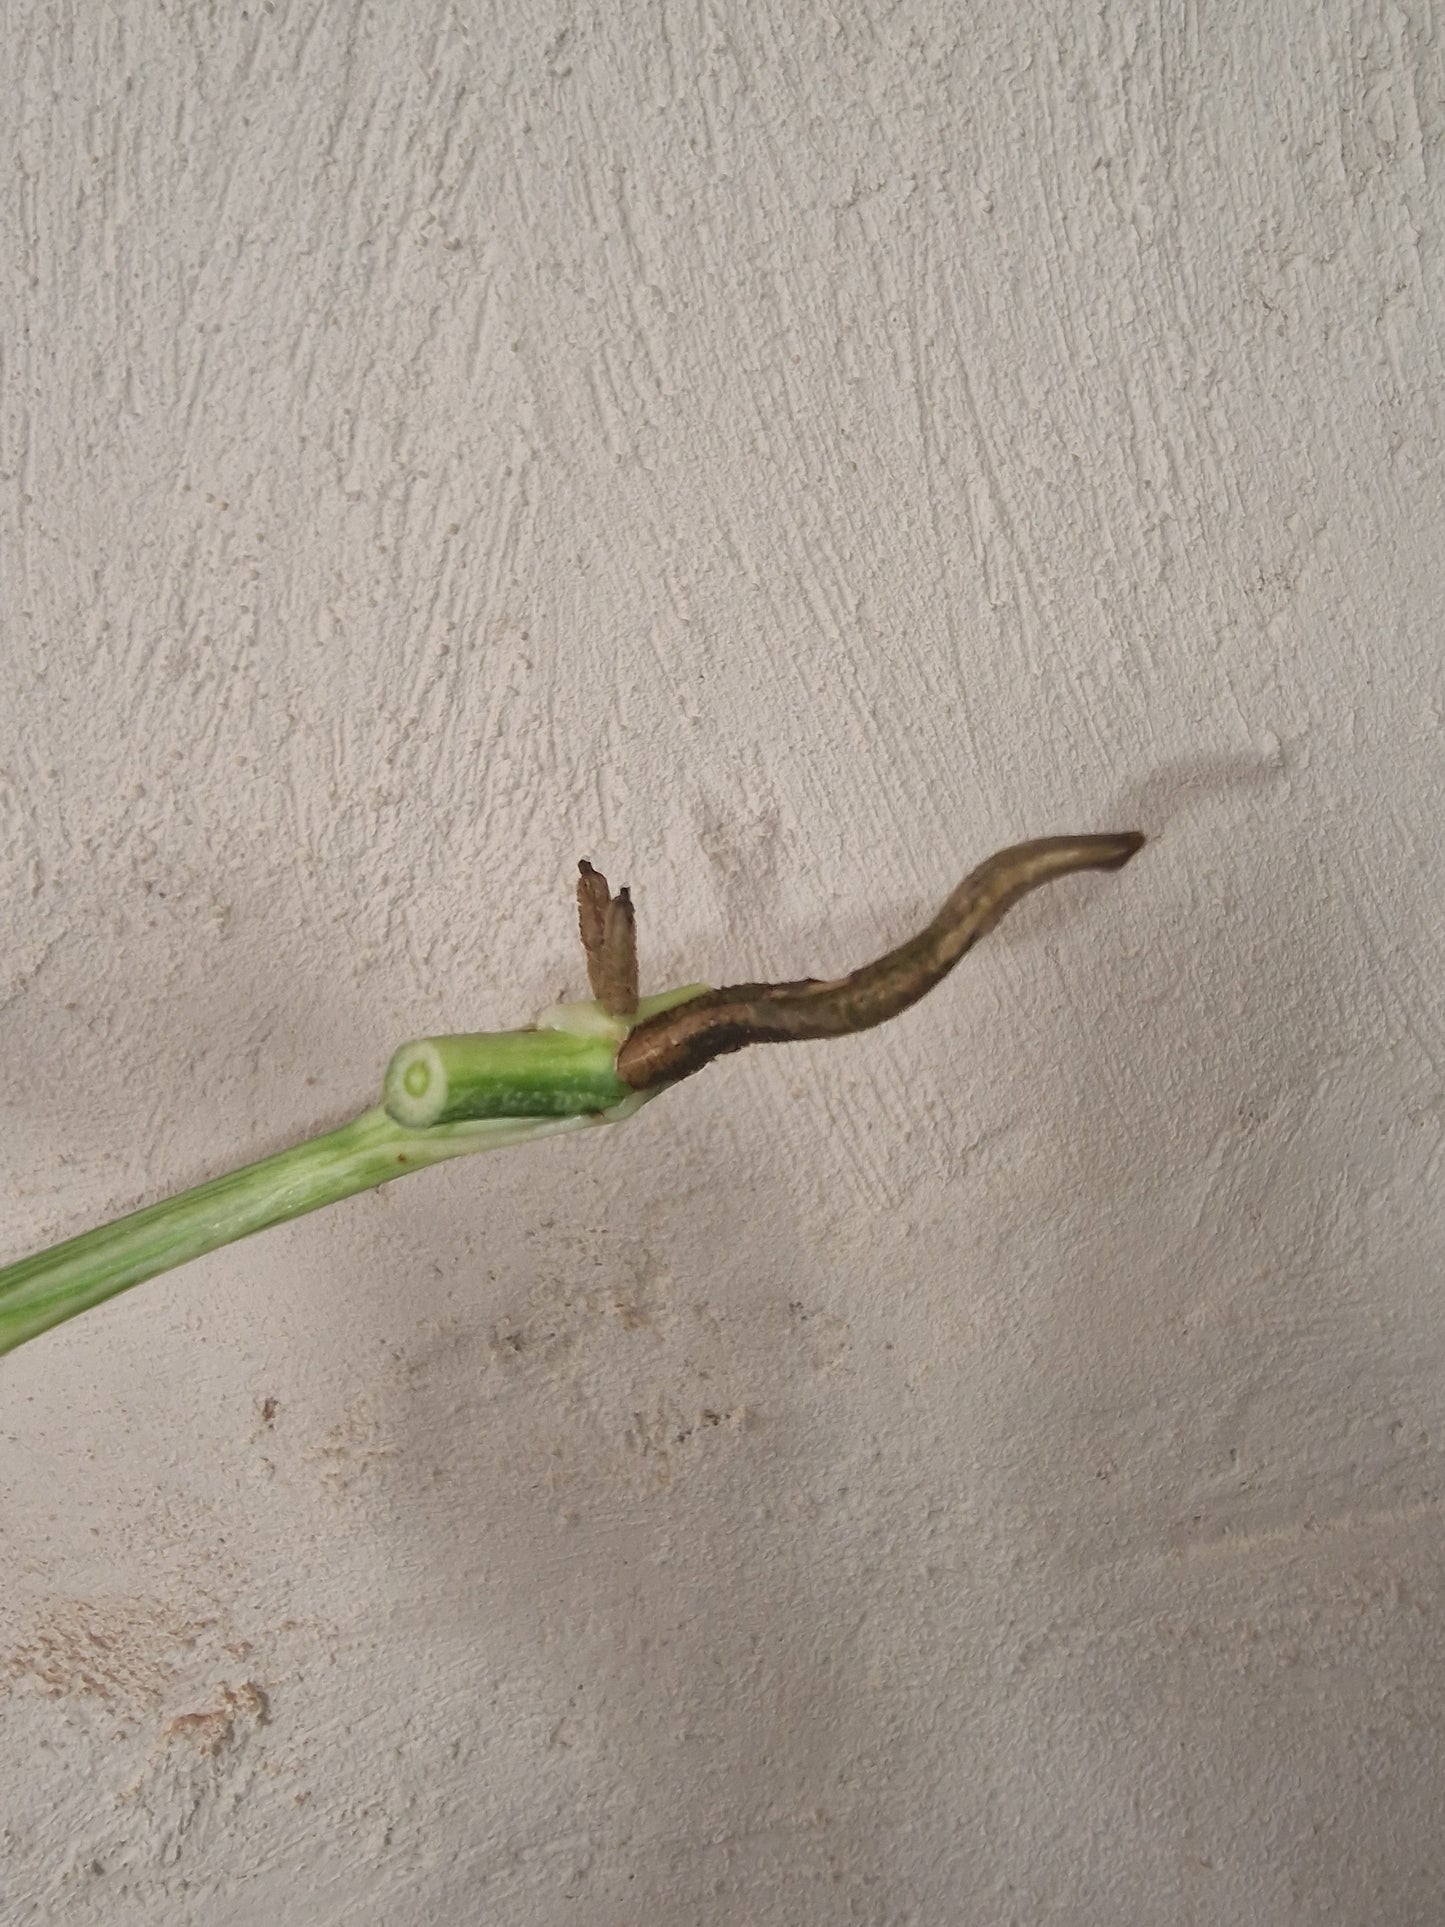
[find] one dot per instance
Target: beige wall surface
(989, 1470)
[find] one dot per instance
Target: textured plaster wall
(987, 1471)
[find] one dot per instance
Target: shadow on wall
(635, 1486)
(1192, 1490)
(1179, 788)
(616, 1476)
(604, 1485)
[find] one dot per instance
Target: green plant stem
(486, 1091)
(70, 1278)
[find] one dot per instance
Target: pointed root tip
(1130, 843)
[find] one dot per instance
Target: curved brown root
(680, 1041)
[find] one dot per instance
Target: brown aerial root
(677, 1042)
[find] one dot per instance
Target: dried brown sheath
(678, 1042)
(609, 937)
(593, 897)
(618, 994)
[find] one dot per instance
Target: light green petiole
(444, 1097)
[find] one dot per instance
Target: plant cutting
(579, 1065)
